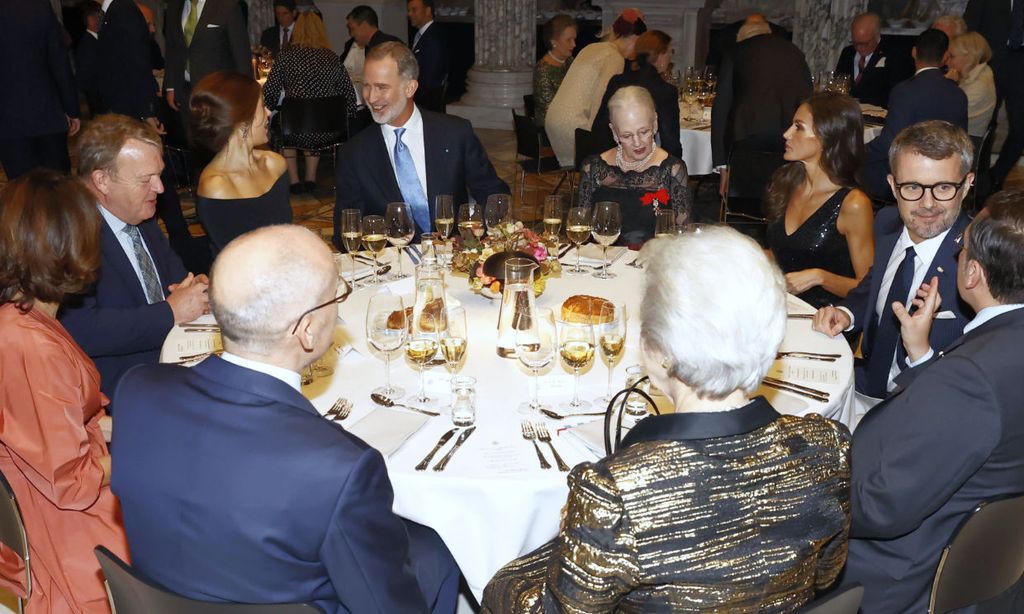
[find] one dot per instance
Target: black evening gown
(816, 244)
(226, 218)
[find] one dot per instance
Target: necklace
(621, 162)
(555, 58)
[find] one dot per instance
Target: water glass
(463, 400)
(636, 405)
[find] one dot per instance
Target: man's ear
(410, 87)
(100, 180)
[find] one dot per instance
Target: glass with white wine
(552, 217)
(576, 347)
(444, 215)
(611, 339)
(375, 239)
(535, 347)
(454, 341)
(352, 236)
(664, 223)
(386, 330)
(577, 229)
(471, 222)
(606, 226)
(420, 350)
(400, 231)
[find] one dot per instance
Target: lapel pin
(941, 270)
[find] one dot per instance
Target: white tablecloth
(494, 503)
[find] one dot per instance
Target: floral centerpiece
(483, 259)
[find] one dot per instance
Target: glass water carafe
(517, 304)
(430, 299)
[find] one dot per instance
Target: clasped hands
(188, 298)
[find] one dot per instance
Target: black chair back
(840, 601)
(12, 534)
(306, 115)
(530, 106)
(981, 167)
(131, 593)
(984, 558)
(749, 174)
(527, 137)
(588, 144)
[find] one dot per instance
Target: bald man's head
(756, 18)
(866, 33)
(264, 280)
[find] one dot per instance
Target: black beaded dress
(226, 218)
(816, 244)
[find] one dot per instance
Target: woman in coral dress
(52, 449)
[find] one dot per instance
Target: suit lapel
(944, 263)
(883, 251)
(433, 150)
(154, 241)
(377, 158)
(116, 262)
(206, 17)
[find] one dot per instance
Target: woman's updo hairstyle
(220, 102)
(630, 22)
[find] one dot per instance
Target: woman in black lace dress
(307, 68)
(819, 222)
(638, 174)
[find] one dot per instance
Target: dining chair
(13, 536)
(750, 171)
(981, 167)
(131, 593)
(530, 145)
(984, 558)
(530, 106)
(308, 115)
(840, 601)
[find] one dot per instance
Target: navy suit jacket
(950, 436)
(876, 81)
(233, 488)
(220, 42)
(39, 89)
(861, 300)
(112, 322)
(927, 95)
(454, 156)
(432, 55)
(125, 65)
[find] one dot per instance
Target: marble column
(505, 47)
(822, 28)
(677, 18)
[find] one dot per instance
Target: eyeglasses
(334, 301)
(942, 191)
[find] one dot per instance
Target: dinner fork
(529, 435)
(543, 435)
(340, 410)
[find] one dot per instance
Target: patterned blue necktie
(409, 183)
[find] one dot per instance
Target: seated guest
(52, 450)
(952, 434)
(560, 38)
(636, 169)
(579, 96)
(722, 506)
(914, 241)
(363, 27)
(926, 95)
(431, 50)
(306, 514)
(653, 52)
(242, 188)
(968, 66)
(952, 25)
(307, 68)
(820, 228)
(279, 36)
(414, 155)
(873, 72)
(142, 289)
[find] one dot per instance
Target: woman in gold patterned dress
(724, 505)
(560, 37)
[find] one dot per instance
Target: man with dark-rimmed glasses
(915, 243)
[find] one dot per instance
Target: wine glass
(453, 343)
(400, 230)
(606, 226)
(664, 223)
(352, 235)
(496, 211)
(577, 228)
(611, 339)
(386, 331)
(375, 240)
(552, 217)
(420, 351)
(444, 215)
(576, 346)
(535, 346)
(471, 221)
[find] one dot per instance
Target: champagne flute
(552, 217)
(352, 235)
(577, 228)
(496, 211)
(444, 215)
(420, 351)
(576, 346)
(611, 340)
(606, 226)
(375, 240)
(471, 222)
(400, 230)
(386, 330)
(535, 346)
(453, 344)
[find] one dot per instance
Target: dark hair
(363, 14)
(629, 23)
(428, 4)
(931, 46)
(221, 101)
(288, 4)
(90, 8)
(839, 126)
(49, 238)
(648, 46)
(405, 59)
(996, 241)
(554, 27)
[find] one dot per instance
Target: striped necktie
(191, 21)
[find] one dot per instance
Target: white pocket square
(212, 25)
(945, 315)
(881, 63)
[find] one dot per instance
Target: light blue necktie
(409, 183)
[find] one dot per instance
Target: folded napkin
(591, 255)
(870, 109)
(387, 429)
(796, 306)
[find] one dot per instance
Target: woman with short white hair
(724, 505)
(968, 65)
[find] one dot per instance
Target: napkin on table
(387, 429)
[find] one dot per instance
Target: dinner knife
(782, 382)
(440, 443)
(458, 442)
(795, 391)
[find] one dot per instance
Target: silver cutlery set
(340, 410)
(441, 464)
(798, 389)
(532, 433)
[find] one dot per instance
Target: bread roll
(435, 308)
(584, 309)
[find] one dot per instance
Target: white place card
(791, 372)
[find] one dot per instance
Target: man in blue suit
(914, 243)
(926, 95)
(124, 63)
(952, 434)
(232, 486)
(142, 289)
(431, 50)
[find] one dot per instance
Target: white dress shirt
(988, 313)
(419, 33)
(117, 227)
(413, 139)
(106, 5)
(284, 33)
(291, 378)
(185, 10)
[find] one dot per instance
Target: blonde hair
(630, 97)
(310, 32)
(974, 46)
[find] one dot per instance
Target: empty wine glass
(386, 330)
(471, 222)
(400, 230)
(606, 226)
(375, 240)
(496, 211)
(535, 346)
(352, 236)
(576, 346)
(611, 338)
(420, 351)
(444, 215)
(577, 229)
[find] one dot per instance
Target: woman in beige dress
(968, 65)
(578, 98)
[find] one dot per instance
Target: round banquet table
(493, 502)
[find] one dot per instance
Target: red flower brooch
(655, 199)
